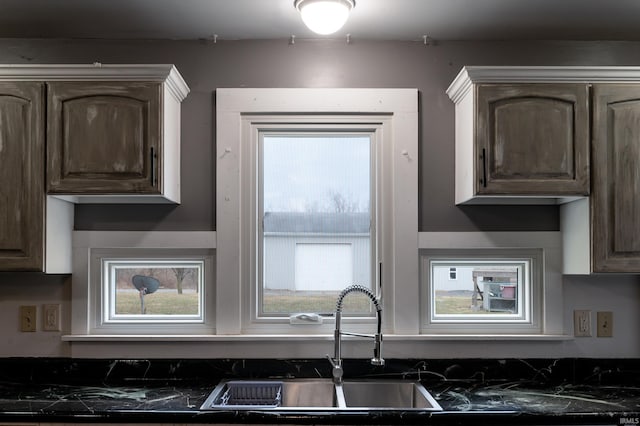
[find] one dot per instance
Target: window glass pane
(315, 203)
(480, 289)
(153, 290)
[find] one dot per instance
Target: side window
(485, 291)
(151, 291)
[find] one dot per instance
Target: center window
(316, 221)
(316, 190)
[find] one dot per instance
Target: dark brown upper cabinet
(113, 134)
(104, 138)
(520, 142)
(615, 201)
(532, 139)
(541, 105)
(22, 199)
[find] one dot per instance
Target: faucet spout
(336, 361)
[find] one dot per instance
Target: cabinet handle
(153, 166)
(484, 168)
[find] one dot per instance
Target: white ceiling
(277, 19)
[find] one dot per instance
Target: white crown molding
(470, 75)
(163, 73)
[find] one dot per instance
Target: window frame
(109, 265)
(240, 112)
(528, 319)
(100, 323)
(313, 125)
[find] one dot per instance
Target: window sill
(303, 337)
(495, 337)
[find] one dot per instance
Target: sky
(301, 172)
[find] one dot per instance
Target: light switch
(27, 318)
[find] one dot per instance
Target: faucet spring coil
(357, 288)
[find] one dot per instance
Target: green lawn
(160, 303)
(456, 305)
(170, 303)
(278, 302)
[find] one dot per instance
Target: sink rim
(419, 387)
(338, 394)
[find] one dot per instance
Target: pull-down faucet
(336, 361)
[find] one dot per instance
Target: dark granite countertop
(568, 391)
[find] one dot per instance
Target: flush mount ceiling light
(324, 16)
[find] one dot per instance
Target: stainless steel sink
(320, 394)
(386, 394)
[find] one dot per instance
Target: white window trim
(100, 323)
(528, 321)
(87, 286)
(106, 262)
(398, 227)
(549, 302)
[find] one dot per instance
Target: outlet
(27, 318)
(582, 323)
(51, 317)
(605, 324)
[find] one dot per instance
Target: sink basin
(319, 394)
(299, 394)
(386, 394)
(309, 393)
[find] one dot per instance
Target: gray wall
(430, 69)
(319, 64)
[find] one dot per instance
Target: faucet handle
(337, 370)
(331, 360)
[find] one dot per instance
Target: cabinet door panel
(625, 175)
(116, 128)
(616, 177)
(104, 138)
(533, 139)
(22, 175)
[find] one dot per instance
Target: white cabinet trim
(559, 74)
(99, 72)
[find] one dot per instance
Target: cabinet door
(532, 139)
(21, 176)
(615, 200)
(103, 138)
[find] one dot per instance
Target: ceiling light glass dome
(324, 16)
